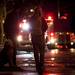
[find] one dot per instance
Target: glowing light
(20, 25)
(26, 64)
(60, 33)
(25, 26)
(52, 59)
(56, 51)
(21, 31)
(29, 37)
(64, 17)
(51, 23)
(52, 74)
(52, 34)
(48, 42)
(56, 43)
(49, 18)
(67, 33)
(52, 40)
(72, 50)
(72, 43)
(27, 56)
(31, 10)
(24, 20)
(19, 38)
(3, 21)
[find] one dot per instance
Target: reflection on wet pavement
(54, 64)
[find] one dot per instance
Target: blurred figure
(37, 37)
(6, 55)
(44, 28)
(11, 28)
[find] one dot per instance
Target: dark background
(49, 7)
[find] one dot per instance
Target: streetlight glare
(19, 38)
(25, 26)
(31, 10)
(49, 18)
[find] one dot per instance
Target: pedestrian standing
(6, 54)
(11, 29)
(37, 38)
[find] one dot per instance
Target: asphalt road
(57, 62)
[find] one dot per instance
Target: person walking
(37, 37)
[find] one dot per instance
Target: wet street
(57, 62)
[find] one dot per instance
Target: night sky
(64, 7)
(49, 6)
(52, 7)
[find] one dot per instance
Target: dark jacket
(11, 25)
(44, 25)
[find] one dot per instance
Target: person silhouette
(11, 29)
(37, 37)
(6, 55)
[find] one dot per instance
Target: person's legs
(36, 51)
(12, 56)
(39, 47)
(42, 50)
(36, 56)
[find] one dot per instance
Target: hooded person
(37, 37)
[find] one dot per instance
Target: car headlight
(19, 38)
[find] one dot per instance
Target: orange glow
(64, 17)
(52, 60)
(56, 51)
(20, 25)
(49, 18)
(24, 20)
(19, 38)
(59, 46)
(51, 74)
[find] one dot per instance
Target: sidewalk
(18, 73)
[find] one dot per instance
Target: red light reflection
(52, 74)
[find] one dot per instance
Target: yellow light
(56, 43)
(72, 43)
(52, 59)
(52, 74)
(60, 33)
(54, 51)
(31, 10)
(24, 20)
(49, 18)
(67, 33)
(52, 40)
(20, 25)
(19, 38)
(72, 50)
